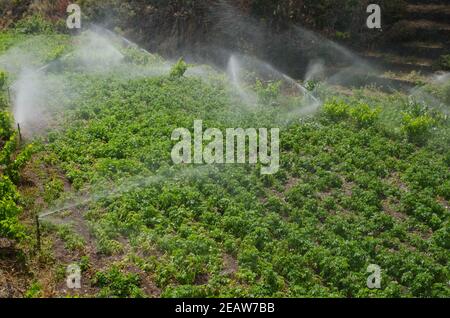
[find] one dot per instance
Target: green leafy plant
(311, 85)
(14, 165)
(72, 240)
(8, 150)
(179, 68)
(114, 283)
(53, 189)
(349, 193)
(34, 291)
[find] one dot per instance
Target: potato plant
(360, 183)
(349, 195)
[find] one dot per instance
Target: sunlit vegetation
(362, 181)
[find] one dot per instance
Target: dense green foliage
(361, 182)
(12, 159)
(9, 211)
(179, 69)
(3, 79)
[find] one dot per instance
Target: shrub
(3, 102)
(440, 90)
(55, 53)
(8, 150)
(363, 115)
(268, 92)
(33, 25)
(336, 110)
(13, 167)
(84, 263)
(311, 85)
(3, 79)
(417, 128)
(442, 237)
(444, 62)
(34, 291)
(179, 69)
(5, 125)
(138, 57)
(9, 211)
(185, 291)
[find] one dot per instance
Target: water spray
(20, 133)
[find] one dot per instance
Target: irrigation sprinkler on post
(38, 232)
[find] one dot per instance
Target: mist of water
(104, 192)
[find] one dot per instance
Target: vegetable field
(363, 179)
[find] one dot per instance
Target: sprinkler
(38, 232)
(20, 133)
(9, 95)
